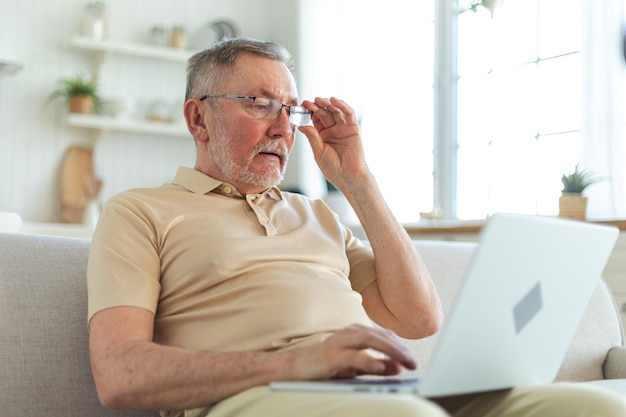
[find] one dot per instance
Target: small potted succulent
(572, 203)
(80, 92)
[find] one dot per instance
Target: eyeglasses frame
(291, 109)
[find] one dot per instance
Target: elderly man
(203, 291)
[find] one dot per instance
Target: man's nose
(282, 127)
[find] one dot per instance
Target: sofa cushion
(44, 362)
(600, 330)
(615, 363)
(447, 263)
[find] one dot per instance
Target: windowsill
(444, 226)
(474, 226)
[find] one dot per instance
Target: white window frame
(446, 79)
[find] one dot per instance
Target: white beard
(238, 170)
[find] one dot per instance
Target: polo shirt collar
(200, 183)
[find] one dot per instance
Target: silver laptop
(515, 314)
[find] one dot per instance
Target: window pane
(497, 176)
(486, 43)
(513, 177)
(473, 182)
(497, 105)
(559, 94)
(474, 41)
(558, 154)
(559, 27)
(515, 33)
(475, 104)
(514, 104)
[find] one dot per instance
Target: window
(519, 106)
(492, 117)
(380, 60)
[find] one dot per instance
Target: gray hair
(208, 70)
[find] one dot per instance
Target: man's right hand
(350, 352)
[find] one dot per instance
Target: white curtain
(602, 124)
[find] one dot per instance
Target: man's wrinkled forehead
(260, 76)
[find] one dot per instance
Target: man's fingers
(381, 340)
(352, 351)
(330, 112)
(363, 363)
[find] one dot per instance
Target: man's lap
(551, 400)
(548, 400)
(261, 402)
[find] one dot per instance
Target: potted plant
(80, 92)
(572, 203)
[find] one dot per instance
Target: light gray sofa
(44, 365)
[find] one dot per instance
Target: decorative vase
(81, 104)
(573, 206)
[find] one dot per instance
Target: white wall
(33, 135)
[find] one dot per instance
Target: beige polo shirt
(225, 272)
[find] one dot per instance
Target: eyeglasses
(269, 108)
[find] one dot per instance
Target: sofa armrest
(615, 363)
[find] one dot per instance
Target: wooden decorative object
(78, 185)
(573, 205)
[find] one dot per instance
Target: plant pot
(573, 206)
(81, 104)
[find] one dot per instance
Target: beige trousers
(553, 400)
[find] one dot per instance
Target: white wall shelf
(132, 49)
(106, 47)
(113, 124)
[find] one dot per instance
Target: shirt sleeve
(361, 258)
(124, 266)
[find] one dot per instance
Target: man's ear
(194, 116)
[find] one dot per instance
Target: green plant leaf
(579, 180)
